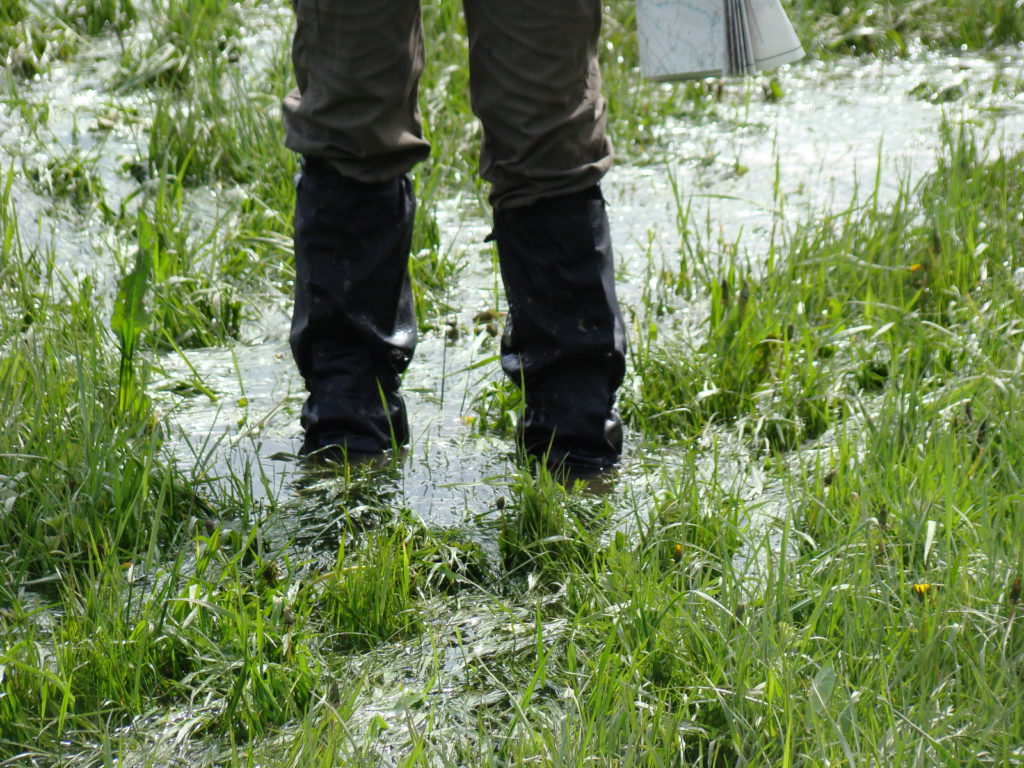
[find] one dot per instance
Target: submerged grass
(858, 298)
(872, 370)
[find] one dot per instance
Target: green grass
(98, 488)
(863, 611)
(546, 527)
(94, 17)
(192, 306)
(369, 597)
(29, 43)
(72, 177)
(776, 347)
(187, 35)
(218, 129)
(911, 304)
(864, 26)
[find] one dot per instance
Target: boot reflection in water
(535, 86)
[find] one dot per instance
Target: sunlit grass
(30, 43)
(94, 17)
(869, 374)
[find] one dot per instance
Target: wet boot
(564, 341)
(353, 328)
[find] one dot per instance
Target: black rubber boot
(564, 340)
(353, 326)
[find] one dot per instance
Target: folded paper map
(689, 39)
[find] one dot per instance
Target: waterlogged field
(811, 554)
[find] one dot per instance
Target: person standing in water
(535, 86)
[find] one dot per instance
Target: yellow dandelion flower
(922, 589)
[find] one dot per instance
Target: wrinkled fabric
(534, 84)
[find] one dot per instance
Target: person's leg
(536, 88)
(353, 323)
(354, 119)
(357, 66)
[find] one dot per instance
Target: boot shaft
(564, 340)
(353, 324)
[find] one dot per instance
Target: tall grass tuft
(186, 35)
(95, 490)
(94, 17)
(191, 304)
(547, 527)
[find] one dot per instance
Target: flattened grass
(872, 373)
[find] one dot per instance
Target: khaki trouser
(534, 84)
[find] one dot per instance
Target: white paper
(681, 39)
(772, 37)
(688, 39)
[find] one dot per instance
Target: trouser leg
(536, 88)
(354, 119)
(357, 67)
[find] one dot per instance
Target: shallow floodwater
(748, 171)
(749, 175)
